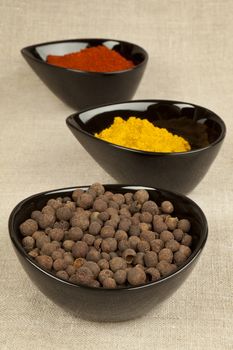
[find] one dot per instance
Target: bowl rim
(18, 246)
(27, 51)
(72, 122)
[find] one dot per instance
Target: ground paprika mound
(93, 59)
(142, 135)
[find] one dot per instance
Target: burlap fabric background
(190, 48)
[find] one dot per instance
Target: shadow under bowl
(83, 89)
(99, 304)
(179, 172)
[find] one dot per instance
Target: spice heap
(103, 239)
(142, 135)
(93, 59)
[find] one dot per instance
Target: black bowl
(81, 89)
(101, 304)
(179, 172)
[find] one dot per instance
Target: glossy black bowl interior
(80, 89)
(103, 304)
(180, 172)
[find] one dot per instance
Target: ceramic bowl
(180, 172)
(82, 89)
(99, 304)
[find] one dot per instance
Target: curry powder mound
(142, 135)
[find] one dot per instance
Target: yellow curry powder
(142, 135)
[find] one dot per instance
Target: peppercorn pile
(102, 239)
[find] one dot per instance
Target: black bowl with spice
(147, 243)
(88, 72)
(201, 133)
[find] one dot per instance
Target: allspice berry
(123, 245)
(41, 240)
(141, 196)
(63, 275)
(94, 228)
(46, 220)
(80, 249)
(134, 230)
(107, 231)
(34, 253)
(167, 207)
(78, 262)
(64, 213)
(118, 198)
(147, 235)
(56, 234)
(128, 255)
(85, 201)
(75, 233)
(178, 234)
(117, 263)
(133, 242)
(105, 273)
(59, 264)
(63, 225)
(150, 259)
(186, 240)
(28, 243)
(100, 205)
(135, 207)
(103, 216)
(45, 261)
(157, 245)
(109, 283)
(103, 264)
(165, 268)
(124, 224)
(179, 258)
(56, 254)
(68, 245)
(95, 269)
(143, 246)
(152, 274)
(93, 255)
(48, 249)
(173, 245)
(151, 207)
(84, 276)
(89, 239)
(146, 217)
(166, 236)
(136, 276)
(80, 220)
(97, 242)
(171, 223)
(185, 250)
(98, 188)
(76, 194)
(120, 235)
(184, 225)
(165, 254)
(158, 225)
(55, 204)
(139, 259)
(120, 276)
(28, 227)
(35, 215)
(109, 245)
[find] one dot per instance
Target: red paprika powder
(93, 59)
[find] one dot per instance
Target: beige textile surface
(190, 48)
